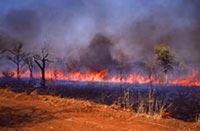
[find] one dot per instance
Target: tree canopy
(165, 57)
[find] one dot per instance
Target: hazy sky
(134, 25)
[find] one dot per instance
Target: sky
(134, 26)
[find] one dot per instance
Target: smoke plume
(133, 26)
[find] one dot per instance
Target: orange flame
(103, 76)
(191, 80)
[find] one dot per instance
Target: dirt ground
(20, 112)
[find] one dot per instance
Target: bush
(8, 74)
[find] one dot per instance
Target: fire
(104, 76)
(77, 76)
(190, 80)
(100, 76)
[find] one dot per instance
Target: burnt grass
(184, 101)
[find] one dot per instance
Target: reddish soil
(43, 113)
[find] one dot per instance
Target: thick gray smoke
(134, 26)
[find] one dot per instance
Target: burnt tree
(41, 61)
(17, 55)
(29, 60)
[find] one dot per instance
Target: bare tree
(41, 61)
(17, 55)
(29, 60)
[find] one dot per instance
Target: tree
(17, 55)
(165, 58)
(29, 60)
(41, 61)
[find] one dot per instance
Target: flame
(191, 80)
(104, 76)
(100, 76)
(77, 76)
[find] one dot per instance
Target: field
(41, 112)
(96, 106)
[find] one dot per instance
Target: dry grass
(158, 109)
(198, 118)
(146, 106)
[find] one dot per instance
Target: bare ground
(43, 113)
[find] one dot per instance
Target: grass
(181, 104)
(153, 108)
(149, 106)
(198, 118)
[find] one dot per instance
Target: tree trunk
(42, 68)
(43, 83)
(43, 78)
(150, 101)
(18, 71)
(121, 72)
(31, 73)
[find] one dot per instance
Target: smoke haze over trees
(134, 26)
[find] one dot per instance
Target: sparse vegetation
(108, 66)
(126, 100)
(148, 106)
(29, 60)
(150, 68)
(42, 112)
(8, 74)
(153, 107)
(198, 118)
(16, 55)
(41, 60)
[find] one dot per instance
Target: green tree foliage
(165, 57)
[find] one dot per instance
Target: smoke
(135, 26)
(23, 24)
(98, 54)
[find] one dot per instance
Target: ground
(43, 113)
